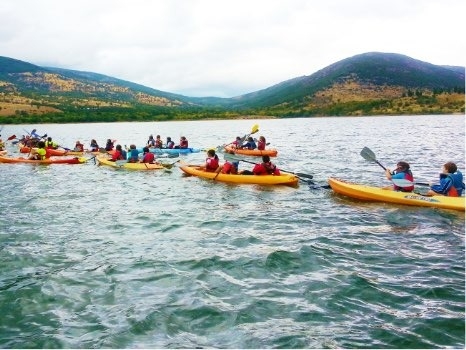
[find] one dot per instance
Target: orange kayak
(14, 160)
(252, 152)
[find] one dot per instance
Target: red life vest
(211, 164)
(148, 158)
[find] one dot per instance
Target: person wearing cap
(402, 171)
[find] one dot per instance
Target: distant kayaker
(211, 162)
(183, 143)
(264, 168)
(151, 141)
(118, 154)
(50, 143)
(451, 182)
(402, 171)
(148, 157)
(250, 144)
(35, 134)
(133, 154)
(170, 143)
(78, 147)
(94, 146)
(109, 145)
(261, 143)
(40, 153)
(158, 142)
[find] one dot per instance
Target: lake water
(93, 257)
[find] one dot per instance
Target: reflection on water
(97, 257)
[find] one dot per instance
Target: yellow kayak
(370, 193)
(120, 164)
(283, 179)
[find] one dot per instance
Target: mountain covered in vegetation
(368, 84)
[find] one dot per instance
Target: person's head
(151, 137)
(238, 138)
(211, 152)
(133, 146)
(41, 144)
(49, 139)
(118, 147)
(109, 141)
(34, 130)
(183, 138)
(169, 139)
(402, 166)
(145, 149)
(265, 159)
(450, 167)
(158, 137)
(77, 142)
(262, 138)
(250, 139)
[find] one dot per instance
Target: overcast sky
(225, 48)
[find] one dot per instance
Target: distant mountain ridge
(365, 84)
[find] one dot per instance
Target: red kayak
(74, 160)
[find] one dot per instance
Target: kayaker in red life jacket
(158, 142)
(118, 154)
(264, 168)
(402, 171)
(211, 162)
(148, 156)
(79, 147)
(261, 143)
(183, 143)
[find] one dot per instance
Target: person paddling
(451, 182)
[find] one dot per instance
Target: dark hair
(211, 152)
(41, 144)
(145, 149)
(451, 167)
(265, 159)
(403, 166)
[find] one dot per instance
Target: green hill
(368, 84)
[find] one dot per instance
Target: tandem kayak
(283, 179)
(369, 193)
(61, 160)
(252, 152)
(120, 164)
(51, 151)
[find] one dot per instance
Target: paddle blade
(255, 128)
(367, 154)
(11, 137)
(304, 175)
(402, 182)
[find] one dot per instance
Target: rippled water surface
(93, 257)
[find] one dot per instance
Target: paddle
(407, 183)
(11, 137)
(233, 158)
(254, 129)
(367, 154)
(169, 165)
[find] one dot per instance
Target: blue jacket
(447, 181)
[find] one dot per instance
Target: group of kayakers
(450, 180)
